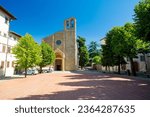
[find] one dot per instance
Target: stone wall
(68, 45)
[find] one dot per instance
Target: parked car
(47, 70)
(31, 72)
(51, 69)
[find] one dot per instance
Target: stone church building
(65, 46)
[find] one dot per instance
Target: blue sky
(95, 18)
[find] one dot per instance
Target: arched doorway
(59, 62)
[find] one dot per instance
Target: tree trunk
(145, 62)
(25, 72)
(132, 67)
(119, 65)
(109, 68)
(118, 68)
(106, 68)
(113, 68)
(40, 69)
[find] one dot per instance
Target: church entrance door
(58, 64)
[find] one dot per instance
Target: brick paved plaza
(75, 86)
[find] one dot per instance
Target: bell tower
(70, 44)
(70, 24)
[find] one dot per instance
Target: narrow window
(5, 35)
(8, 49)
(2, 64)
(15, 38)
(6, 20)
(1, 47)
(8, 64)
(4, 49)
(142, 58)
(13, 64)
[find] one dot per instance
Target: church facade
(65, 46)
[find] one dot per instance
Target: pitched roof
(103, 38)
(14, 33)
(8, 13)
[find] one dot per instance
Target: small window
(8, 49)
(13, 64)
(4, 49)
(15, 38)
(2, 64)
(5, 35)
(10, 36)
(6, 20)
(8, 64)
(142, 58)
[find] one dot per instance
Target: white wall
(4, 28)
(141, 64)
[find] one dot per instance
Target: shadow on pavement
(97, 86)
(12, 78)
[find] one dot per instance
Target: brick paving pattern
(75, 86)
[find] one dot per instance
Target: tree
(97, 60)
(80, 42)
(130, 44)
(27, 52)
(123, 44)
(93, 49)
(107, 55)
(142, 19)
(116, 46)
(82, 52)
(84, 57)
(47, 55)
(144, 48)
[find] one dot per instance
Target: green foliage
(93, 49)
(123, 40)
(47, 54)
(120, 43)
(84, 57)
(97, 60)
(130, 40)
(142, 46)
(116, 40)
(82, 52)
(107, 55)
(80, 42)
(27, 52)
(142, 19)
(109, 58)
